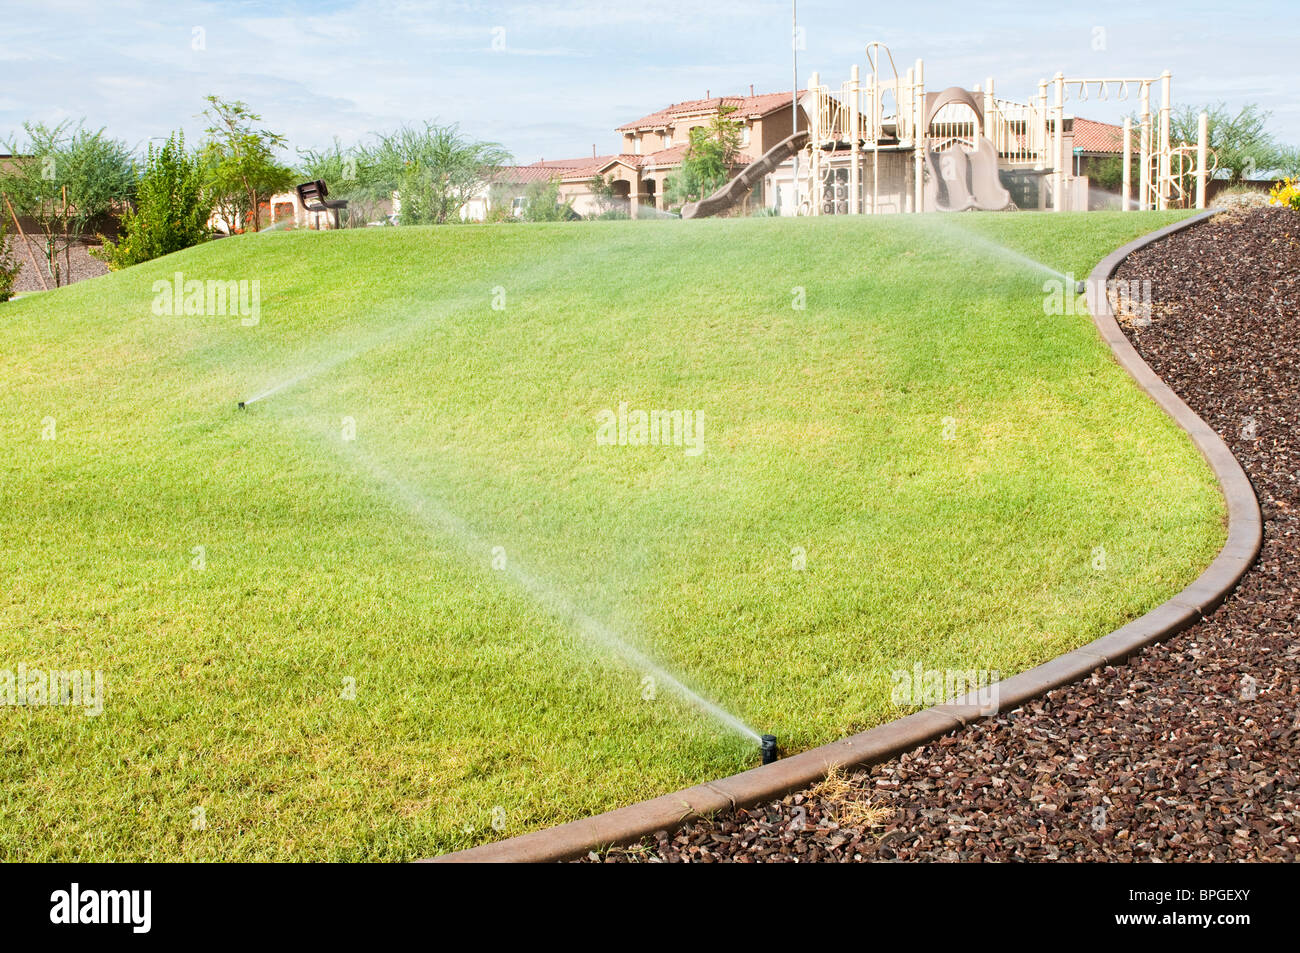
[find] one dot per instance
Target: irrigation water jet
(944, 224)
(438, 518)
(767, 745)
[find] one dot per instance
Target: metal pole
(1058, 145)
(919, 137)
(1165, 171)
(855, 153)
(1144, 148)
(794, 96)
(814, 139)
(1202, 157)
(1128, 165)
(989, 132)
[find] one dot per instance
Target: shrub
(172, 208)
(8, 264)
(69, 180)
(1286, 193)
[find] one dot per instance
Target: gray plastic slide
(739, 187)
(962, 179)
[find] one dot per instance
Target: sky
(552, 79)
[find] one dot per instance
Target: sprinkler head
(243, 406)
(1081, 287)
(769, 748)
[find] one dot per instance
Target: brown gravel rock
(81, 264)
(1190, 751)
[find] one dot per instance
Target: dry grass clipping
(837, 792)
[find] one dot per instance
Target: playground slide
(961, 179)
(739, 187)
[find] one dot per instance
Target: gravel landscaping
(80, 265)
(1188, 751)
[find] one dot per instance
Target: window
(744, 135)
(636, 145)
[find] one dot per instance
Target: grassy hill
(410, 596)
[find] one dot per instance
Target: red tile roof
(546, 169)
(747, 107)
(1090, 136)
(572, 170)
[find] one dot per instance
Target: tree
(172, 208)
(433, 169)
(542, 203)
(1289, 162)
(242, 171)
(342, 170)
(1241, 143)
(9, 265)
(67, 179)
(610, 203)
(710, 159)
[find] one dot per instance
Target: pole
(814, 139)
(1144, 148)
(1058, 145)
(855, 172)
(1127, 193)
(1165, 157)
(1202, 157)
(920, 137)
(989, 131)
(794, 96)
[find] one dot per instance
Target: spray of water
(439, 519)
(542, 272)
(947, 224)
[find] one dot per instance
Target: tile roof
(546, 169)
(747, 107)
(1090, 136)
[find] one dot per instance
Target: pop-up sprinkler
(768, 747)
(242, 405)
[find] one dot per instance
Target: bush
(68, 179)
(542, 203)
(8, 264)
(1286, 193)
(172, 209)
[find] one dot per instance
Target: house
(652, 149)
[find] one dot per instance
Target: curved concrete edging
(1245, 534)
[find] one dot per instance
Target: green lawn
(489, 692)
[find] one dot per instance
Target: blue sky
(563, 74)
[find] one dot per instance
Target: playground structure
(883, 143)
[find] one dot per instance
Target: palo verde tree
(68, 180)
(341, 169)
(434, 170)
(1241, 142)
(172, 207)
(242, 171)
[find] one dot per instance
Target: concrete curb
(768, 782)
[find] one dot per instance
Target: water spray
(768, 747)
